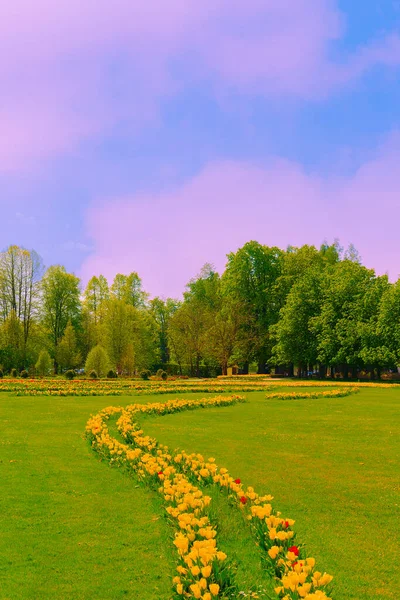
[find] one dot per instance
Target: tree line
(296, 311)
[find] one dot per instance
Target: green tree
(126, 325)
(191, 322)
(295, 342)
(95, 297)
(44, 363)
(187, 337)
(176, 341)
(117, 325)
(61, 302)
(12, 343)
(250, 278)
(388, 326)
(221, 336)
(94, 309)
(128, 361)
(20, 274)
(144, 339)
(337, 326)
(162, 312)
(128, 288)
(67, 353)
(296, 262)
(97, 360)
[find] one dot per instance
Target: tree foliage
(68, 356)
(97, 361)
(303, 308)
(60, 301)
(44, 364)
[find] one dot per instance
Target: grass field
(71, 527)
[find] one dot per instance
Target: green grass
(71, 527)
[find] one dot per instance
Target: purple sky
(135, 138)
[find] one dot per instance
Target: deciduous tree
(250, 277)
(61, 302)
(97, 360)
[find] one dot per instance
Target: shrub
(24, 374)
(44, 363)
(164, 376)
(70, 374)
(13, 372)
(159, 373)
(145, 374)
(93, 374)
(1, 374)
(111, 374)
(97, 361)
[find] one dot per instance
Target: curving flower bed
(204, 571)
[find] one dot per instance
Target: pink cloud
(55, 59)
(270, 46)
(168, 237)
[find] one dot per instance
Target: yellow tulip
(274, 551)
(303, 590)
(203, 583)
(206, 571)
(214, 589)
(196, 591)
(325, 579)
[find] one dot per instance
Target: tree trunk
(245, 368)
(261, 370)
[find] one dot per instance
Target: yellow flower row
(339, 393)
(274, 534)
(203, 571)
(118, 387)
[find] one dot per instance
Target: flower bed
(341, 393)
(133, 387)
(204, 571)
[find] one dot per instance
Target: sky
(155, 137)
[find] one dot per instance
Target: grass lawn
(71, 527)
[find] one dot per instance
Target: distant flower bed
(341, 393)
(135, 387)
